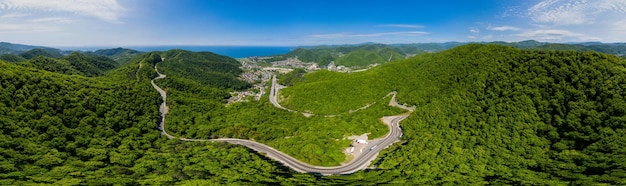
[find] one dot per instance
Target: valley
(344, 93)
(476, 113)
(358, 163)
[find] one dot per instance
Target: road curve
(163, 108)
(274, 94)
(358, 163)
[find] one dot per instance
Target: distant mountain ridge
(11, 52)
(371, 53)
(350, 55)
(121, 55)
(510, 116)
(11, 48)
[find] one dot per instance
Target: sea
(230, 51)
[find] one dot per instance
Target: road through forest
(359, 162)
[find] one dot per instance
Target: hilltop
(19, 52)
(199, 83)
(364, 55)
(121, 55)
(491, 114)
(350, 56)
(67, 128)
(485, 114)
(10, 48)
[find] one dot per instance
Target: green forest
(354, 56)
(493, 114)
(197, 111)
(486, 114)
(359, 56)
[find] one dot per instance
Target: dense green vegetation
(347, 55)
(11, 48)
(73, 130)
(12, 58)
(288, 79)
(197, 111)
(51, 53)
(310, 56)
(485, 114)
(492, 114)
(370, 55)
(90, 65)
(63, 129)
(206, 68)
(121, 55)
(75, 63)
(610, 48)
(361, 55)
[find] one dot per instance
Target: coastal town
(259, 70)
(258, 78)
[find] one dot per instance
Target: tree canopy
(493, 114)
(485, 114)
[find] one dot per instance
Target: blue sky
(290, 23)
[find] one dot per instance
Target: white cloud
(381, 34)
(576, 20)
(30, 28)
(59, 20)
(619, 26)
(402, 25)
(502, 28)
(556, 35)
(107, 10)
(11, 16)
(474, 30)
(576, 12)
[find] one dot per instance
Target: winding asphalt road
(274, 94)
(358, 163)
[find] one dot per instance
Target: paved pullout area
(361, 160)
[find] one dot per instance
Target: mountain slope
(75, 63)
(318, 56)
(52, 53)
(121, 55)
(11, 48)
(367, 56)
(197, 110)
(485, 114)
(204, 67)
(51, 65)
(370, 53)
(59, 129)
(12, 58)
(492, 114)
(90, 65)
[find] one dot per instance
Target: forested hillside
(71, 129)
(121, 55)
(74, 130)
(12, 58)
(370, 55)
(45, 52)
(75, 63)
(493, 114)
(203, 67)
(361, 55)
(11, 48)
(196, 102)
(485, 114)
(349, 55)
